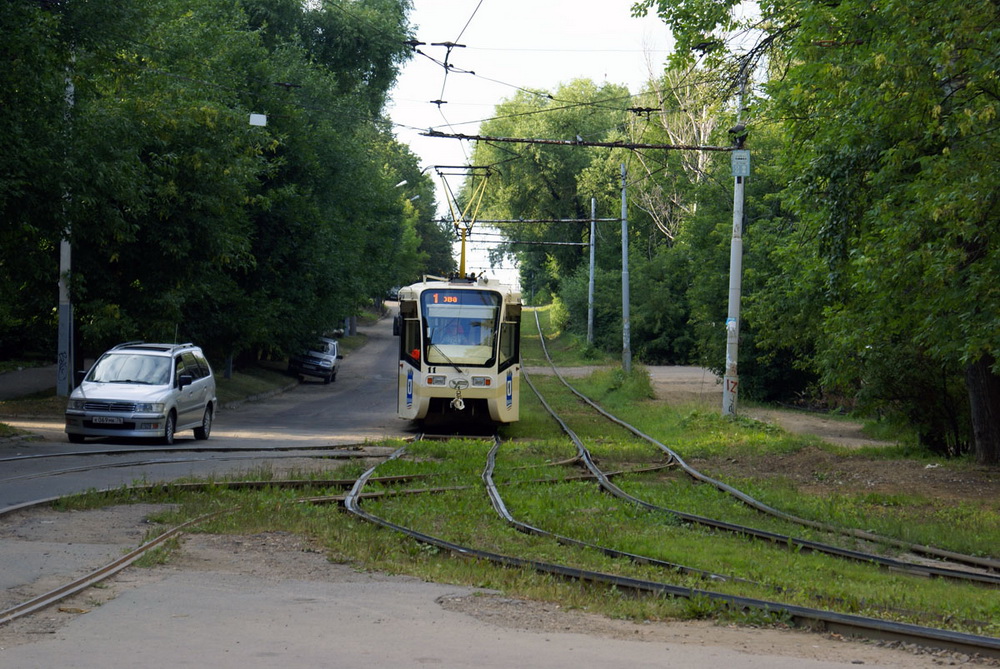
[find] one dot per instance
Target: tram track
(778, 539)
(106, 571)
(812, 618)
(989, 568)
(804, 616)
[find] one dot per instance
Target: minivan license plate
(107, 420)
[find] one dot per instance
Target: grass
(252, 382)
(578, 509)
(24, 363)
(571, 350)
(535, 449)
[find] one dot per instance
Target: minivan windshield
(151, 370)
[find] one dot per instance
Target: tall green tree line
(185, 220)
(871, 246)
(890, 113)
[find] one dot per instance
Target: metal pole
(590, 289)
(64, 368)
(626, 326)
(731, 381)
(64, 358)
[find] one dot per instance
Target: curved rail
(803, 616)
(773, 537)
(928, 551)
(100, 574)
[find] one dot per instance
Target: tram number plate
(107, 420)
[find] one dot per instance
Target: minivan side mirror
(185, 380)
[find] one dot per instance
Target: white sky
(509, 44)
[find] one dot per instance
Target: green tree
(541, 181)
(32, 172)
(891, 111)
(186, 221)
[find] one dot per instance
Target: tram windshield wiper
(446, 358)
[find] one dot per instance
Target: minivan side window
(191, 366)
(206, 369)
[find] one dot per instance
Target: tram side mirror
(408, 308)
(397, 325)
(514, 312)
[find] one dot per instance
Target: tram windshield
(461, 326)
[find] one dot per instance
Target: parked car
(322, 360)
(144, 390)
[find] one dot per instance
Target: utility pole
(590, 287)
(626, 325)
(741, 170)
(64, 358)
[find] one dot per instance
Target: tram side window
(410, 346)
(509, 344)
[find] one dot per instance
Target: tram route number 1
(445, 299)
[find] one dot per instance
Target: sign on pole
(740, 160)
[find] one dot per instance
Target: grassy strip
(577, 509)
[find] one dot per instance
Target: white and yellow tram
(459, 350)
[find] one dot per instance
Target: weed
(159, 555)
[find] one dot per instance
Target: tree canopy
(127, 127)
(890, 115)
(871, 220)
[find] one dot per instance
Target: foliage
(187, 222)
(891, 114)
(540, 181)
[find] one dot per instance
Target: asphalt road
(358, 408)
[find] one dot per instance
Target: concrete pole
(64, 368)
(626, 323)
(590, 288)
(64, 357)
(731, 381)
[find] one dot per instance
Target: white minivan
(144, 390)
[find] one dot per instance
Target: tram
(459, 350)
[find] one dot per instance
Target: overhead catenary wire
(581, 142)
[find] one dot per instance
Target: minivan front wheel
(205, 429)
(169, 428)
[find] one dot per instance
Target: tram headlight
(481, 381)
(436, 380)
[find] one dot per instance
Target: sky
(510, 44)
